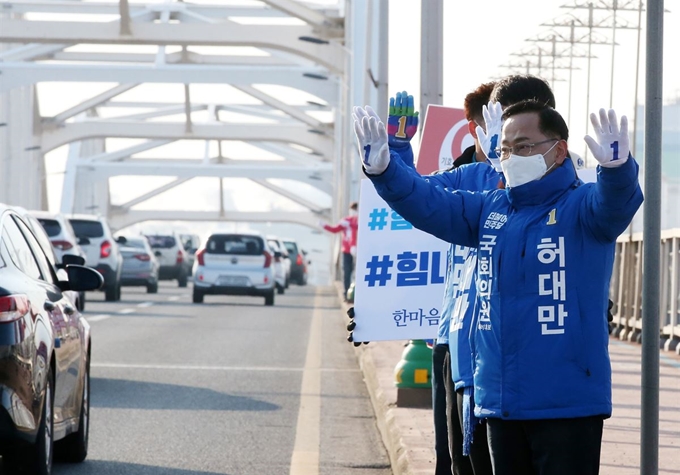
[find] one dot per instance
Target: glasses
(521, 149)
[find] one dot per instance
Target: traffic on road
(149, 379)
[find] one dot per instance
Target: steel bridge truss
(248, 47)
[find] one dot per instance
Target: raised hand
(372, 138)
(402, 121)
(611, 145)
(490, 139)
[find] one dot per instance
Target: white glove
(372, 138)
(491, 139)
(359, 113)
(612, 146)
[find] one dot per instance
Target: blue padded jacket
(544, 262)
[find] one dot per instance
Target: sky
(479, 39)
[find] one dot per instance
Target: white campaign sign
(400, 274)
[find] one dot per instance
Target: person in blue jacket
(545, 252)
(452, 380)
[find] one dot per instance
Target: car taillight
(298, 261)
(105, 250)
(143, 257)
(62, 245)
(267, 259)
(200, 257)
(180, 257)
(13, 307)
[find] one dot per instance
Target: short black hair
(475, 100)
(550, 122)
(353, 205)
(522, 87)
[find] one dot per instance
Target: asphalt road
(227, 387)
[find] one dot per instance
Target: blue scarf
(470, 421)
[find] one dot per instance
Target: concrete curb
(404, 431)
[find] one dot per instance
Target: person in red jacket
(348, 227)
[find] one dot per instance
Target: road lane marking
(173, 298)
(215, 368)
(126, 311)
(145, 304)
(97, 318)
(305, 458)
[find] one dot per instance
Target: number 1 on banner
(401, 132)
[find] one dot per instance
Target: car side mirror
(121, 240)
(70, 259)
(277, 254)
(81, 278)
(83, 241)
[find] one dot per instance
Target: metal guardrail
(626, 289)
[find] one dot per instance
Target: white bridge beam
(14, 74)
(192, 170)
(297, 134)
(122, 219)
(276, 37)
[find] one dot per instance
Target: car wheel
(197, 296)
(112, 293)
(280, 289)
(118, 291)
(152, 288)
(269, 298)
(303, 280)
(37, 458)
(81, 301)
(73, 447)
(182, 280)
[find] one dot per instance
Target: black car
(298, 262)
(44, 355)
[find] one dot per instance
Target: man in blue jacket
(452, 379)
(545, 252)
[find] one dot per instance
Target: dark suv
(298, 262)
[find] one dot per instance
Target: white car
(279, 266)
(234, 264)
(41, 236)
(101, 250)
(172, 258)
(285, 258)
(61, 234)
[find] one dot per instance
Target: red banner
(445, 136)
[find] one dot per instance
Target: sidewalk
(409, 438)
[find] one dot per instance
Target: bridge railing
(626, 288)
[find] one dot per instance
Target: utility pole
(556, 37)
(610, 22)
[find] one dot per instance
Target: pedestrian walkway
(409, 437)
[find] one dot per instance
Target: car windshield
(235, 244)
(161, 242)
(51, 226)
(88, 229)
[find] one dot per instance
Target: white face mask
(519, 170)
(352, 212)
